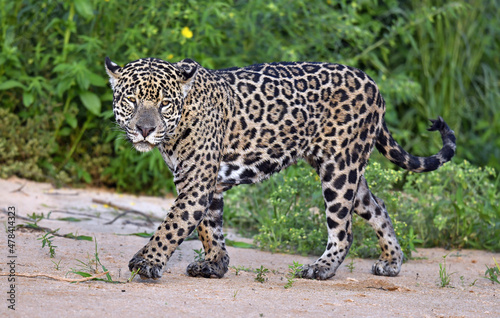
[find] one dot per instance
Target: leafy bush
(382, 183)
(453, 207)
(281, 212)
(20, 153)
(293, 222)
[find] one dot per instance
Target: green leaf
(107, 114)
(72, 219)
(71, 120)
(142, 234)
(66, 131)
(63, 68)
(83, 274)
(92, 102)
(11, 84)
(86, 176)
(239, 244)
(84, 8)
(79, 237)
(104, 269)
(97, 80)
(84, 238)
(28, 98)
(64, 86)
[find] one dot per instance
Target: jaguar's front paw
(384, 267)
(145, 268)
(207, 269)
(315, 271)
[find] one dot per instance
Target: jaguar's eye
(165, 102)
(131, 99)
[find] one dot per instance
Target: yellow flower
(187, 33)
(170, 56)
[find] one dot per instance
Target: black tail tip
(437, 124)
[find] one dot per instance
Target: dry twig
(77, 280)
(20, 189)
(126, 211)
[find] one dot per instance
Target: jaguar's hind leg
(373, 210)
(339, 191)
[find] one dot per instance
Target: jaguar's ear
(188, 70)
(114, 71)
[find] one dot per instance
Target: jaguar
(216, 129)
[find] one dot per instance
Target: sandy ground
(414, 293)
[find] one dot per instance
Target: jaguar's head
(148, 98)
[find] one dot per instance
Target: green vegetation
(240, 268)
(57, 265)
(351, 265)
(91, 267)
(493, 273)
(293, 271)
(453, 207)
(282, 219)
(200, 255)
(56, 120)
(261, 274)
(444, 275)
(132, 275)
(35, 218)
(47, 240)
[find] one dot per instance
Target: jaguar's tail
(397, 155)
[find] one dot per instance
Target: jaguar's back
(287, 111)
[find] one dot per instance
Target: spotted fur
(220, 128)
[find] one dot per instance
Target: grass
(240, 268)
(87, 268)
(140, 234)
(239, 244)
(132, 275)
(92, 266)
(350, 265)
(57, 265)
(493, 273)
(35, 218)
(72, 219)
(444, 275)
(47, 241)
(281, 212)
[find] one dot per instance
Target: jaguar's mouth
(143, 146)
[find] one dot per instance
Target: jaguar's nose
(146, 130)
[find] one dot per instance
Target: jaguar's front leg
(186, 213)
(216, 259)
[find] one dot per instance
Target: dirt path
(414, 293)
